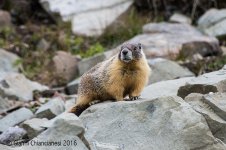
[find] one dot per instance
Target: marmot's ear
(139, 45)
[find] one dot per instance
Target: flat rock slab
(34, 126)
(17, 86)
(68, 128)
(209, 82)
(15, 118)
(147, 124)
(164, 88)
(51, 109)
(167, 40)
(216, 124)
(163, 69)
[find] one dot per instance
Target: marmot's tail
(78, 109)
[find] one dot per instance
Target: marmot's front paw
(133, 98)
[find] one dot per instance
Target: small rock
(72, 87)
(208, 82)
(17, 86)
(216, 123)
(51, 109)
(12, 134)
(217, 101)
(170, 88)
(5, 19)
(203, 48)
(163, 69)
(179, 18)
(7, 61)
(65, 66)
(15, 118)
(34, 126)
(4, 104)
(67, 128)
(43, 45)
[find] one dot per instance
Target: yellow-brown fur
(112, 79)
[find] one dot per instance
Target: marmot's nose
(124, 52)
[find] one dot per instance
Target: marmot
(124, 74)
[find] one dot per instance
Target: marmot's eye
(135, 48)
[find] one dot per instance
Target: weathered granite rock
(5, 147)
(51, 109)
(148, 124)
(12, 134)
(4, 104)
(72, 87)
(164, 88)
(213, 22)
(180, 18)
(163, 69)
(167, 39)
(15, 118)
(88, 63)
(65, 66)
(89, 18)
(67, 128)
(216, 124)
(209, 82)
(16, 86)
(217, 101)
(7, 61)
(34, 126)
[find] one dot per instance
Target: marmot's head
(130, 52)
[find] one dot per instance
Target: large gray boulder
(8, 60)
(15, 118)
(208, 82)
(17, 86)
(51, 109)
(163, 69)
(89, 18)
(66, 128)
(34, 126)
(164, 123)
(216, 123)
(213, 22)
(167, 40)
